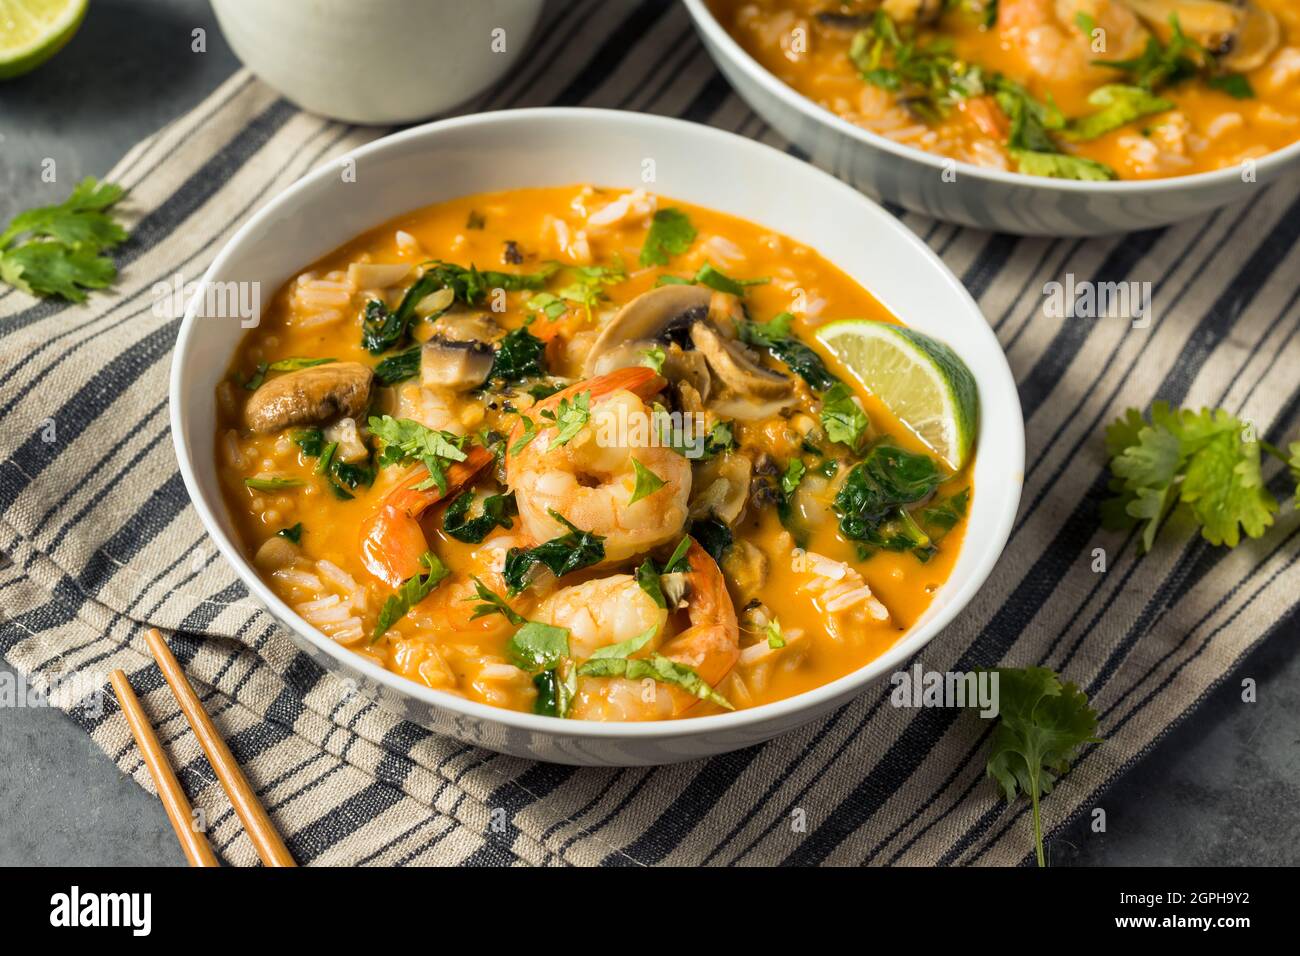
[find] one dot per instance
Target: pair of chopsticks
(258, 825)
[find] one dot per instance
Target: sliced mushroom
(731, 362)
(684, 368)
(310, 396)
(276, 553)
(651, 317)
(721, 487)
(1239, 32)
(455, 365)
(913, 11)
(745, 567)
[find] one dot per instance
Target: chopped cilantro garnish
(412, 592)
(647, 482)
(671, 234)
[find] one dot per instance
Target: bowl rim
(817, 699)
(719, 38)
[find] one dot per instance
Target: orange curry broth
(824, 74)
(332, 526)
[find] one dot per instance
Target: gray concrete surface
(1219, 789)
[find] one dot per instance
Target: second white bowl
(961, 192)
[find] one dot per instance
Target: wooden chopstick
(178, 808)
(261, 831)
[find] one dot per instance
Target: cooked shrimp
(1049, 37)
(392, 540)
(602, 611)
(590, 479)
(450, 610)
(615, 609)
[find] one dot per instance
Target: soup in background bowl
(999, 115)
(474, 173)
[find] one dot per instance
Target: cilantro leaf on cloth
(1206, 462)
(1041, 725)
(59, 250)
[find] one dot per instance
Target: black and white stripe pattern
(101, 540)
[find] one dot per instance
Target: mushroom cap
(455, 364)
(1241, 34)
(731, 362)
(647, 317)
(309, 396)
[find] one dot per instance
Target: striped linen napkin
(100, 539)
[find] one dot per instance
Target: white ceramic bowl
(985, 198)
(550, 147)
(378, 61)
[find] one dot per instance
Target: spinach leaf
(870, 501)
(776, 337)
(399, 367)
(713, 536)
(569, 552)
(520, 355)
(497, 512)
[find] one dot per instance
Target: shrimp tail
(392, 541)
(711, 645)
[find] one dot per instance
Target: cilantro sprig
(671, 233)
(412, 592)
(61, 250)
(1042, 723)
(406, 441)
(1205, 464)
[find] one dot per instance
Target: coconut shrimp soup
(1072, 89)
(593, 454)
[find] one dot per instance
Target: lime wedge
(32, 31)
(920, 380)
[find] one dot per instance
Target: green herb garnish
(412, 592)
(1206, 464)
(569, 417)
(656, 667)
(844, 420)
(647, 482)
(536, 646)
(1042, 723)
(61, 250)
(406, 441)
(497, 512)
(1117, 106)
(671, 234)
(569, 552)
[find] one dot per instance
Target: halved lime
(919, 379)
(32, 31)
